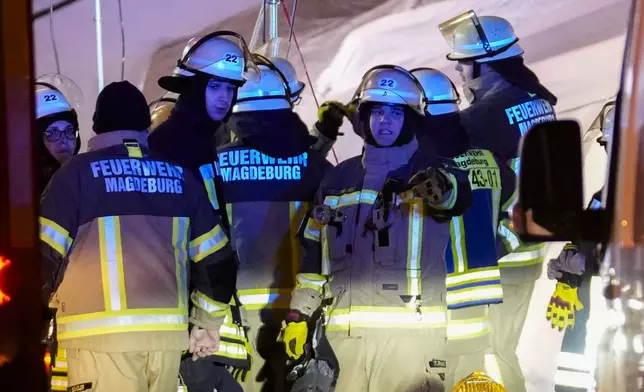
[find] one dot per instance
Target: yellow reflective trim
(414, 250)
(229, 213)
(180, 230)
(208, 176)
(470, 294)
(59, 383)
(125, 312)
(120, 329)
(365, 196)
(459, 248)
(263, 298)
(133, 150)
(297, 213)
(477, 275)
(469, 328)
(326, 259)
(385, 317)
(208, 243)
(232, 350)
(214, 308)
(55, 236)
(313, 230)
(119, 261)
(453, 193)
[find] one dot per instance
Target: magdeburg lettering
(252, 165)
(135, 175)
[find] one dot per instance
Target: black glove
(330, 118)
(431, 185)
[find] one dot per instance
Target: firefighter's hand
(570, 260)
(562, 307)
(431, 185)
(203, 342)
(295, 335)
(330, 118)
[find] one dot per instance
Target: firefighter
(506, 99)
(374, 254)
(569, 307)
(210, 71)
(57, 122)
(128, 221)
(473, 279)
(269, 178)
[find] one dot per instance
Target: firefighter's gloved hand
(295, 335)
(431, 185)
(330, 117)
(570, 260)
(562, 307)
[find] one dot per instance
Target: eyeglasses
(54, 134)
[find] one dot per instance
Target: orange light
(4, 262)
(47, 360)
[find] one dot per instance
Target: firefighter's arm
(308, 293)
(214, 264)
(59, 220)
(508, 185)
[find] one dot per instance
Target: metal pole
(99, 44)
(273, 28)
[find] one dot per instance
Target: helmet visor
(65, 85)
(226, 62)
(464, 34)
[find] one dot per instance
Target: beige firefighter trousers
(507, 321)
(268, 369)
(388, 364)
(154, 371)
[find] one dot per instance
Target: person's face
(219, 98)
(386, 122)
(466, 70)
(60, 140)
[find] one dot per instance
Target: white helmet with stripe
(221, 55)
(290, 74)
(391, 84)
(440, 92)
(481, 39)
(55, 94)
(269, 92)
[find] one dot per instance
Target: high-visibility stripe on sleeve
(311, 281)
(59, 383)
(180, 230)
(297, 213)
(366, 196)
(326, 259)
(214, 308)
(414, 249)
(111, 254)
(508, 236)
(459, 248)
(313, 230)
(208, 175)
(523, 256)
(207, 244)
(55, 236)
(385, 317)
(264, 298)
(469, 328)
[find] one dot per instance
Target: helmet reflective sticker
(487, 38)
(391, 84)
(440, 92)
(66, 86)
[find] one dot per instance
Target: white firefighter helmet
(440, 92)
(222, 55)
(290, 74)
(391, 84)
(484, 39)
(269, 92)
(607, 118)
(161, 108)
(55, 94)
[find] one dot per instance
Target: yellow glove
(295, 335)
(562, 307)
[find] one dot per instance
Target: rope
(306, 71)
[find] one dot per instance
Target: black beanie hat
(121, 106)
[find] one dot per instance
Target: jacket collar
(484, 86)
(389, 158)
(114, 138)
